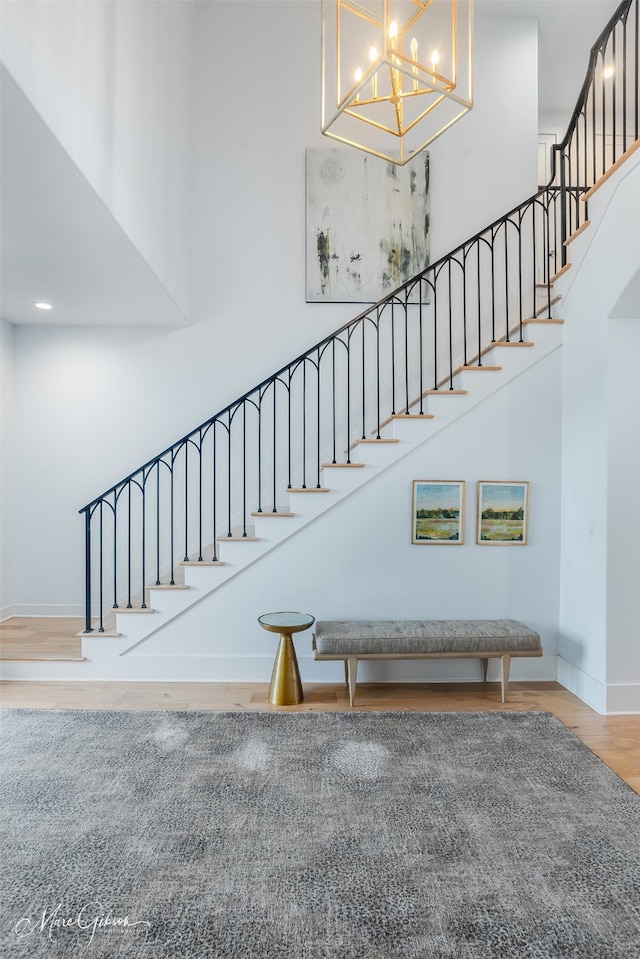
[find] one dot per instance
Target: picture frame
(438, 508)
(367, 224)
(503, 513)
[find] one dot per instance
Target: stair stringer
(167, 606)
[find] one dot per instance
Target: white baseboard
(6, 612)
(591, 691)
(623, 699)
(606, 698)
(41, 610)
(257, 669)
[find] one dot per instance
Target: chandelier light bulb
(435, 59)
(414, 56)
(608, 72)
(373, 56)
(357, 78)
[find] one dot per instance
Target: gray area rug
(313, 836)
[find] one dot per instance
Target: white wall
(623, 567)
(6, 492)
(599, 631)
(113, 79)
(97, 403)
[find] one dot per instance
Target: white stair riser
(347, 480)
(234, 553)
(309, 505)
(446, 408)
(206, 578)
(512, 359)
(277, 530)
(546, 336)
(376, 455)
(481, 384)
(134, 626)
(413, 430)
(169, 602)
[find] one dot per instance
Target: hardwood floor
(41, 638)
(615, 739)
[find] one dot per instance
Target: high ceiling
(83, 263)
(86, 263)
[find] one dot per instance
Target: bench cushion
(368, 637)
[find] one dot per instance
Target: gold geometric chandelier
(395, 73)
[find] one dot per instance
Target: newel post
(87, 562)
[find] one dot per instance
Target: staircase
(300, 507)
(222, 499)
(261, 470)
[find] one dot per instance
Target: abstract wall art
(367, 225)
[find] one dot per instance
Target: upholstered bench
(483, 639)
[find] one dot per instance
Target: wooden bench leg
(352, 670)
(346, 673)
(485, 666)
(506, 666)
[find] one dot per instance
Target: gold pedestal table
(286, 687)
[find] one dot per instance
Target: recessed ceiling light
(43, 306)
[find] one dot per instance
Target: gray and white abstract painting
(367, 224)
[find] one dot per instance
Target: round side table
(286, 687)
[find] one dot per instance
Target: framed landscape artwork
(438, 512)
(503, 513)
(367, 225)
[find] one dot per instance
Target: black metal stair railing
(206, 487)
(605, 121)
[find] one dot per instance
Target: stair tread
(106, 633)
(446, 392)
(271, 513)
(512, 343)
(238, 539)
(412, 416)
(489, 369)
(327, 466)
(133, 609)
(576, 233)
(168, 586)
(308, 489)
(562, 270)
(377, 440)
(202, 562)
(538, 319)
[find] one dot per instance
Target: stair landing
(37, 639)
